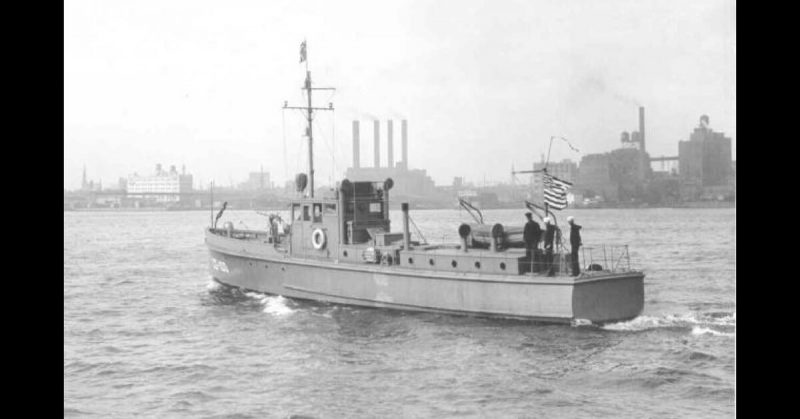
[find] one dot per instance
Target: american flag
(555, 191)
(303, 51)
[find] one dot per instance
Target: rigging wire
(285, 159)
(424, 240)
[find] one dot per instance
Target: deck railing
(613, 258)
(604, 257)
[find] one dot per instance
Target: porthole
(503, 266)
(477, 265)
(266, 266)
(430, 261)
(345, 253)
(454, 264)
(410, 261)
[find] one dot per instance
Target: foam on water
(698, 321)
(275, 305)
(699, 330)
(213, 285)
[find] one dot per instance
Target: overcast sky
(483, 84)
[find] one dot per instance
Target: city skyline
(143, 86)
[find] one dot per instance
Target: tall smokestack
(404, 139)
(377, 143)
(641, 126)
(390, 144)
(356, 146)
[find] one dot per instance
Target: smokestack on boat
(404, 136)
(406, 232)
(377, 143)
(641, 126)
(356, 146)
(390, 143)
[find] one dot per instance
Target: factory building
(407, 182)
(163, 186)
(619, 175)
(594, 178)
(705, 159)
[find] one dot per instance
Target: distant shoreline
(684, 205)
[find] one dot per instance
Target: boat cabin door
(315, 231)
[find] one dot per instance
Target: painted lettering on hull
(382, 281)
(219, 265)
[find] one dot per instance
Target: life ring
(318, 239)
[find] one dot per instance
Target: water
(147, 334)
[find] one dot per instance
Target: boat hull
(597, 298)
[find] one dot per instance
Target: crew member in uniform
(575, 243)
(531, 235)
(549, 235)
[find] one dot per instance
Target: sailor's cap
(570, 219)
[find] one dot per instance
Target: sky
(483, 84)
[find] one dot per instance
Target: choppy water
(147, 334)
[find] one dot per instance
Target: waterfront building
(256, 181)
(162, 186)
(706, 158)
(594, 178)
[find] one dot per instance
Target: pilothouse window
(317, 213)
(306, 215)
(296, 212)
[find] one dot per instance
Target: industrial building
(408, 183)
(706, 158)
(619, 175)
(162, 186)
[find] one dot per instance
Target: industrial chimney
(404, 139)
(356, 146)
(390, 144)
(377, 143)
(641, 126)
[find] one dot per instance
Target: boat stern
(608, 298)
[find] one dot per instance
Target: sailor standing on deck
(575, 243)
(549, 235)
(531, 236)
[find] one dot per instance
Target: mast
(309, 116)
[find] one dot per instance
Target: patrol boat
(340, 248)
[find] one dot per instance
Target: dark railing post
(628, 256)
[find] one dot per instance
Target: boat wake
(275, 305)
(713, 324)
